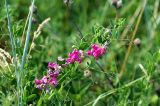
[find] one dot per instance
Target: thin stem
(155, 15)
(74, 24)
(108, 79)
(25, 26)
(79, 31)
(132, 38)
(13, 46)
(124, 33)
(27, 39)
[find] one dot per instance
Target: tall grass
(25, 50)
(20, 75)
(13, 47)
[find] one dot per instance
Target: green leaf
(39, 103)
(32, 97)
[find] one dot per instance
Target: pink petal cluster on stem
(51, 79)
(96, 51)
(42, 83)
(76, 55)
(53, 66)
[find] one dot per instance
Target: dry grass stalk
(38, 32)
(40, 27)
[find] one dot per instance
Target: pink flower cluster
(96, 51)
(42, 83)
(76, 55)
(51, 79)
(54, 69)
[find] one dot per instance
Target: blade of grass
(152, 23)
(113, 91)
(127, 7)
(105, 8)
(25, 26)
(155, 16)
(13, 47)
(25, 50)
(143, 69)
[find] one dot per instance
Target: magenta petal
(53, 66)
(53, 81)
(37, 82)
(54, 74)
(96, 51)
(76, 55)
(38, 86)
(44, 79)
(103, 50)
(89, 52)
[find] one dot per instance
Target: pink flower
(42, 83)
(37, 81)
(96, 51)
(53, 81)
(54, 66)
(45, 82)
(54, 69)
(54, 73)
(76, 55)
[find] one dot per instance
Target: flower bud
(137, 42)
(87, 73)
(119, 4)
